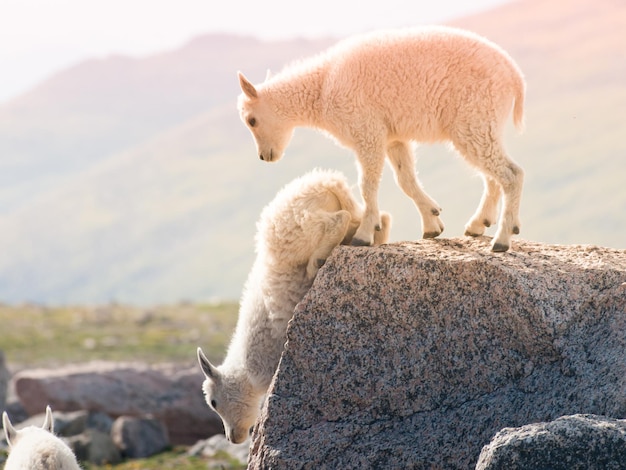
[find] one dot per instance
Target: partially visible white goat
(34, 448)
(378, 92)
(295, 234)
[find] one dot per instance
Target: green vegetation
(175, 459)
(46, 336)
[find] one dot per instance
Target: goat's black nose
(261, 156)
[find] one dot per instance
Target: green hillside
(166, 210)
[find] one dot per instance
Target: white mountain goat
(378, 92)
(34, 448)
(296, 232)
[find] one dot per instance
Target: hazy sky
(40, 37)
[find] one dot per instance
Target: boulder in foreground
(579, 442)
(414, 355)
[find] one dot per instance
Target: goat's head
(232, 397)
(272, 132)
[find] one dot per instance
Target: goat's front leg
(403, 165)
(370, 171)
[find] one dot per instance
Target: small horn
(247, 87)
(209, 370)
(9, 430)
(48, 423)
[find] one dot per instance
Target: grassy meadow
(175, 459)
(39, 336)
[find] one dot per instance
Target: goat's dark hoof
(359, 242)
(499, 247)
(431, 234)
(516, 230)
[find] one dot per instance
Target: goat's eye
(213, 404)
(252, 122)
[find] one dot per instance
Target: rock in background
(139, 438)
(169, 394)
(413, 355)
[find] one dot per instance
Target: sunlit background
(40, 38)
(125, 174)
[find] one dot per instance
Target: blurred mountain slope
(134, 180)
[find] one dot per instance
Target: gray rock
(139, 437)
(16, 412)
(578, 442)
(100, 422)
(413, 355)
(169, 393)
(70, 423)
(95, 447)
(217, 444)
(88, 434)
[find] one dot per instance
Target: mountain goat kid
(377, 93)
(34, 448)
(296, 232)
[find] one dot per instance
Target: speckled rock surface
(413, 355)
(578, 442)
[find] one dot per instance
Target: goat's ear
(247, 87)
(9, 430)
(48, 423)
(208, 369)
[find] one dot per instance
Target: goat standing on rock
(377, 93)
(296, 232)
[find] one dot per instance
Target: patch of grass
(175, 459)
(37, 336)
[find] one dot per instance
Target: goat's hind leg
(403, 165)
(485, 152)
(511, 178)
(335, 225)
